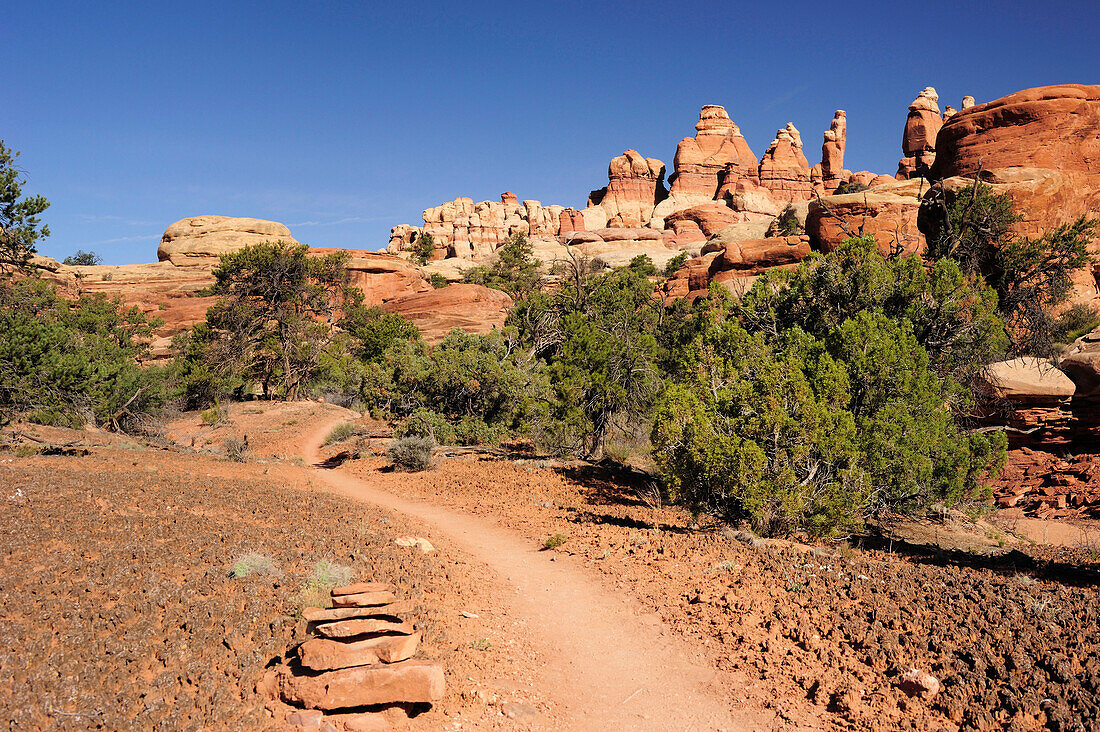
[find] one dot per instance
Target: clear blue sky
(342, 119)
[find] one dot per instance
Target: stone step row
(360, 653)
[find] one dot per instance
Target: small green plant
(82, 259)
(481, 644)
(107, 276)
(254, 564)
(727, 566)
(786, 224)
(852, 186)
(411, 454)
(423, 249)
(214, 415)
(339, 433)
(675, 264)
(438, 281)
(236, 449)
(554, 541)
(327, 575)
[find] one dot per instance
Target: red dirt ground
(122, 615)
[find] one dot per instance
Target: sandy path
(609, 668)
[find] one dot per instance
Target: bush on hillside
(411, 454)
(73, 363)
(810, 411)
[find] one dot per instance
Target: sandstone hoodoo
(918, 142)
(361, 660)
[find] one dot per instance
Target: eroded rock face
(1055, 127)
(728, 258)
(635, 184)
(717, 151)
(832, 151)
(202, 239)
(468, 230)
(918, 141)
(473, 308)
(889, 212)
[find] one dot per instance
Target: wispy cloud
(341, 221)
(114, 219)
(121, 239)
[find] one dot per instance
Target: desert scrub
(212, 416)
(411, 454)
(236, 449)
(339, 433)
(555, 541)
(254, 564)
(316, 591)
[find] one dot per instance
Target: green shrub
(438, 281)
(1078, 320)
(472, 430)
(554, 541)
(213, 416)
(426, 423)
(675, 264)
(515, 270)
(810, 412)
(82, 259)
(787, 224)
(411, 454)
(72, 363)
(423, 249)
(851, 186)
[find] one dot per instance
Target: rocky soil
(120, 611)
(822, 635)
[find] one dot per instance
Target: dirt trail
(608, 667)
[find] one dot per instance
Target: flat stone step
(363, 626)
(360, 587)
(321, 615)
(323, 654)
(364, 599)
(407, 681)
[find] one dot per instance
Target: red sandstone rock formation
(784, 169)
(698, 223)
(832, 153)
(1040, 146)
(472, 308)
(888, 212)
(731, 259)
(918, 142)
(717, 151)
(635, 185)
(1056, 127)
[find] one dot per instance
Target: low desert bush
(411, 454)
(254, 564)
(236, 449)
(426, 423)
(214, 415)
(339, 433)
(555, 541)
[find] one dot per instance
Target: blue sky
(342, 119)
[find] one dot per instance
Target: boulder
(1054, 127)
(404, 682)
(1028, 379)
(699, 223)
(1081, 364)
(380, 277)
(728, 258)
(202, 239)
